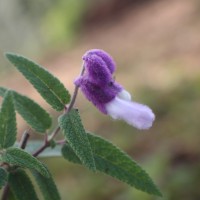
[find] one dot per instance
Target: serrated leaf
(47, 186)
(3, 177)
(21, 186)
(49, 87)
(48, 152)
(19, 157)
(8, 128)
(76, 136)
(111, 160)
(30, 111)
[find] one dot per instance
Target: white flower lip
(124, 95)
(135, 114)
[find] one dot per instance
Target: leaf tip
(8, 55)
(154, 191)
(158, 193)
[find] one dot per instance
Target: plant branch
(24, 139)
(61, 142)
(41, 149)
(47, 140)
(75, 92)
(5, 193)
(56, 131)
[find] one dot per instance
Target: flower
(99, 87)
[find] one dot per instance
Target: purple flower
(109, 97)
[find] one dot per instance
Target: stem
(56, 131)
(61, 142)
(5, 192)
(46, 142)
(75, 92)
(24, 139)
(53, 135)
(41, 149)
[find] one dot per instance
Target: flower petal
(135, 114)
(104, 56)
(97, 70)
(124, 95)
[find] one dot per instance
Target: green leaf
(31, 112)
(116, 163)
(3, 177)
(49, 87)
(11, 196)
(8, 128)
(48, 152)
(21, 186)
(70, 155)
(2, 91)
(75, 134)
(21, 158)
(47, 186)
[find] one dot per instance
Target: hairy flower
(109, 97)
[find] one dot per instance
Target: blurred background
(156, 45)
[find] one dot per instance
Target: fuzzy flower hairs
(99, 87)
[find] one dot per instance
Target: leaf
(21, 158)
(3, 177)
(48, 152)
(21, 186)
(31, 112)
(8, 128)
(49, 87)
(116, 163)
(75, 134)
(2, 91)
(11, 196)
(70, 155)
(47, 186)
